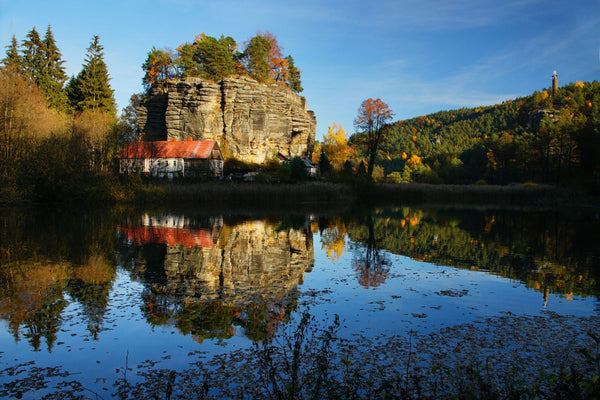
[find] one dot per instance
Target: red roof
(170, 236)
(172, 149)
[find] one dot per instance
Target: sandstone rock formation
(244, 276)
(251, 121)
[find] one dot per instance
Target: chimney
(554, 83)
(189, 139)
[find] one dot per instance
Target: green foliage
(53, 78)
(293, 170)
(294, 80)
(215, 59)
(158, 68)
(91, 90)
(256, 56)
(535, 138)
(41, 62)
(13, 58)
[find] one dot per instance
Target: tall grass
(328, 194)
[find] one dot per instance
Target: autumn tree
(335, 145)
(278, 67)
(95, 128)
(158, 68)
(25, 122)
(127, 130)
(371, 123)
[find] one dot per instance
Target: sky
(418, 56)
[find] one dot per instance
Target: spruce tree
(33, 56)
(53, 77)
(12, 59)
(91, 90)
(294, 75)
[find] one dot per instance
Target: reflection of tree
(90, 285)
(32, 300)
(370, 262)
(549, 251)
(333, 239)
(213, 319)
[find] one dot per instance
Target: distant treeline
(542, 138)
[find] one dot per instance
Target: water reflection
(48, 260)
(214, 280)
(216, 277)
(551, 252)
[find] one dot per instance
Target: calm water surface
(95, 292)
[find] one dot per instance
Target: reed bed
(327, 194)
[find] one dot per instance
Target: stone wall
(251, 121)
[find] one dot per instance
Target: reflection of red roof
(170, 236)
(173, 149)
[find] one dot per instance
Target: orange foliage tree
(371, 121)
(278, 66)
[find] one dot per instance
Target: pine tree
(294, 80)
(53, 77)
(257, 58)
(12, 59)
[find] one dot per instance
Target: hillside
(542, 138)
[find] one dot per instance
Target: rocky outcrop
(251, 121)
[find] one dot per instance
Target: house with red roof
(170, 159)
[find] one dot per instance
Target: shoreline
(326, 194)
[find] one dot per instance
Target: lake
(96, 298)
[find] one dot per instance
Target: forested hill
(541, 138)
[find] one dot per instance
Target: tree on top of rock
(158, 67)
(256, 56)
(294, 80)
(278, 68)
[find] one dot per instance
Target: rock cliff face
(251, 121)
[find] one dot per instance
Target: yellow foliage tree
(96, 127)
(333, 239)
(413, 161)
(335, 145)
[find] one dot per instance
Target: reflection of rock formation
(246, 278)
(252, 261)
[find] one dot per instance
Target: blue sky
(418, 56)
